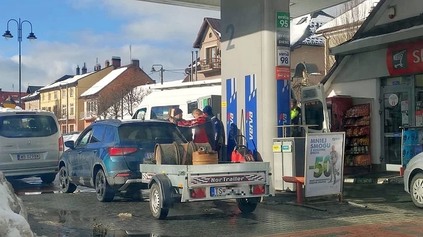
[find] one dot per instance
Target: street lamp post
(153, 69)
(31, 36)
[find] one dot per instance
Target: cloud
(155, 33)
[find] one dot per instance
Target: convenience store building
(382, 65)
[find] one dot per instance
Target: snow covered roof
(356, 14)
(66, 82)
(104, 81)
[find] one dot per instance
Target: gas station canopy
(297, 7)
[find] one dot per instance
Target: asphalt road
(52, 213)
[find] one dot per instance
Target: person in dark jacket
(175, 116)
(219, 134)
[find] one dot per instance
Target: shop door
(396, 114)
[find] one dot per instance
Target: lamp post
(31, 36)
(153, 69)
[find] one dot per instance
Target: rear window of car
(23, 125)
(150, 132)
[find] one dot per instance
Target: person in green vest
(295, 118)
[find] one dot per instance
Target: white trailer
(246, 182)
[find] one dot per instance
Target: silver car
(413, 179)
(30, 144)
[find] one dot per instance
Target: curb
(378, 180)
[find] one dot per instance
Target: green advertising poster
(282, 20)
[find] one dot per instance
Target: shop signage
(403, 59)
(282, 68)
(324, 163)
(283, 73)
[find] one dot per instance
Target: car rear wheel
(48, 178)
(64, 182)
(102, 188)
(156, 200)
(416, 190)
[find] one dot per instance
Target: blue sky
(74, 32)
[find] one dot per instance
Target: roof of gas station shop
(297, 7)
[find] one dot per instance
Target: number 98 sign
(283, 57)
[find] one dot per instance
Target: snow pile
(13, 216)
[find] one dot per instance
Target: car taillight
(121, 151)
(61, 143)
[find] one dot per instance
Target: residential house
(32, 99)
(62, 97)
(208, 58)
(112, 96)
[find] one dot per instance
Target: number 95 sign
(283, 57)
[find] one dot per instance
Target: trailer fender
(165, 187)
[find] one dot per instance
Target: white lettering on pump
(251, 126)
(418, 56)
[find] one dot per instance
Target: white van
(186, 96)
(30, 144)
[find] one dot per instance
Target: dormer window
(210, 35)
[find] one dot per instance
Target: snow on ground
(13, 216)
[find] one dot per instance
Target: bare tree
(352, 15)
(133, 98)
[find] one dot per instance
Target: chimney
(84, 69)
(136, 62)
(116, 62)
(97, 67)
(107, 63)
(78, 70)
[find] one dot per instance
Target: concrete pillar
(255, 69)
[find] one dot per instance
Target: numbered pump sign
(324, 163)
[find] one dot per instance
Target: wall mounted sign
(403, 58)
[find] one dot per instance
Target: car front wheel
(416, 190)
(64, 182)
(102, 188)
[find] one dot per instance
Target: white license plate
(221, 191)
(149, 155)
(28, 156)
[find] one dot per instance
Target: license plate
(28, 156)
(149, 155)
(223, 191)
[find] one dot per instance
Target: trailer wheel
(247, 205)
(156, 202)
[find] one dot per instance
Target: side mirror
(70, 144)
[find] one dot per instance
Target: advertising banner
(231, 95)
(251, 110)
(324, 163)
